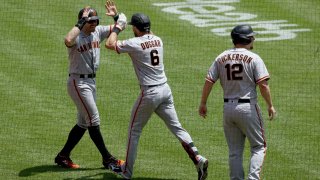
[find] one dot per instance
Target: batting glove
(81, 23)
(121, 22)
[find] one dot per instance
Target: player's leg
(255, 134)
(235, 139)
(140, 114)
(75, 135)
(96, 137)
(108, 160)
(63, 157)
(94, 130)
(167, 112)
(83, 94)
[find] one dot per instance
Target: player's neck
(86, 32)
(143, 33)
(242, 46)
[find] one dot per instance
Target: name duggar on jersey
(235, 57)
(86, 47)
(150, 44)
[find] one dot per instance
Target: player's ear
(134, 29)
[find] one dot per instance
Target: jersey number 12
(233, 71)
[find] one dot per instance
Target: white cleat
(202, 167)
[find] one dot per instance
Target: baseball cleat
(113, 164)
(65, 162)
(202, 167)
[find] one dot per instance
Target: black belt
(153, 85)
(149, 86)
(86, 75)
(238, 100)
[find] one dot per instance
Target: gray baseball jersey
(239, 71)
(84, 56)
(148, 63)
(84, 59)
(146, 53)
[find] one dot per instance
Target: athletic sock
(74, 137)
(97, 138)
(191, 150)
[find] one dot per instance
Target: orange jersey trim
(210, 80)
(263, 78)
(116, 47)
(110, 31)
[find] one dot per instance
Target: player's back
(237, 73)
(147, 58)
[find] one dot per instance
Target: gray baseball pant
(243, 120)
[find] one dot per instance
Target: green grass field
(37, 114)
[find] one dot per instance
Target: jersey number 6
(155, 60)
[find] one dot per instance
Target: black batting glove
(81, 23)
(116, 17)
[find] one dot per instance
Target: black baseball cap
(141, 21)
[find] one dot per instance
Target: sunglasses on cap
(92, 21)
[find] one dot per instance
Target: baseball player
(240, 71)
(83, 44)
(146, 52)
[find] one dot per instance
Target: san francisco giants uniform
(239, 71)
(84, 59)
(146, 53)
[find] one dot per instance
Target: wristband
(81, 23)
(116, 17)
(116, 30)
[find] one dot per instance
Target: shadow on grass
(33, 171)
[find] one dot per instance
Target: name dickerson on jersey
(235, 57)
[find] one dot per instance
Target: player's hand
(81, 22)
(272, 113)
(111, 8)
(203, 110)
(121, 22)
(85, 13)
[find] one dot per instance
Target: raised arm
(70, 38)
(112, 39)
(119, 26)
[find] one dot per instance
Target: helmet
(141, 21)
(93, 15)
(242, 34)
